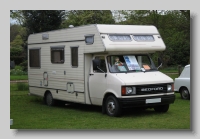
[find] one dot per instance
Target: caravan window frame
(135, 37)
(54, 48)
(36, 67)
(71, 47)
(89, 35)
(109, 36)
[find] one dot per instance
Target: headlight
(129, 90)
(169, 87)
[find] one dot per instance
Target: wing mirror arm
(159, 63)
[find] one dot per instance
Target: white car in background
(182, 83)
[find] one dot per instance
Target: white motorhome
(104, 65)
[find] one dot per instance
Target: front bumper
(142, 101)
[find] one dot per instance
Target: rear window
(186, 72)
(34, 58)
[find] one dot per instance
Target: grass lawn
(29, 112)
(18, 77)
(169, 70)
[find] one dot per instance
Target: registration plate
(155, 100)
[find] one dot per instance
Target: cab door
(98, 81)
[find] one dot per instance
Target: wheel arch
(45, 93)
(183, 87)
(106, 95)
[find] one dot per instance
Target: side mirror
(159, 63)
(96, 64)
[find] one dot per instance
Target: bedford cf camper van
(104, 65)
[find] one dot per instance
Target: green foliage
(84, 17)
(17, 15)
(18, 77)
(17, 59)
(24, 65)
(42, 20)
(15, 51)
(17, 71)
(17, 42)
(22, 86)
(14, 31)
(18, 67)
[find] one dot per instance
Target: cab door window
(102, 67)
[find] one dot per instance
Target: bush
(18, 68)
(17, 59)
(22, 86)
(17, 72)
(16, 51)
(24, 65)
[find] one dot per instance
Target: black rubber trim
(141, 101)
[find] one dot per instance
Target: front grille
(151, 89)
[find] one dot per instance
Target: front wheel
(112, 106)
(185, 93)
(162, 108)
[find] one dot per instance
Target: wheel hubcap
(185, 93)
(111, 107)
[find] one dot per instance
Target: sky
(12, 21)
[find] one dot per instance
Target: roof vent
(71, 26)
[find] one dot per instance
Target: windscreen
(130, 63)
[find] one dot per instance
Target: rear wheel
(112, 106)
(185, 93)
(49, 99)
(162, 108)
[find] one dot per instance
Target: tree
(31, 21)
(84, 17)
(17, 42)
(14, 31)
(17, 15)
(42, 20)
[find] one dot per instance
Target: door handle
(91, 74)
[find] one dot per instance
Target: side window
(57, 54)
(74, 56)
(89, 39)
(102, 64)
(34, 58)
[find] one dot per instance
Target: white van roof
(127, 29)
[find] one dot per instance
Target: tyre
(112, 106)
(185, 93)
(162, 108)
(49, 99)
